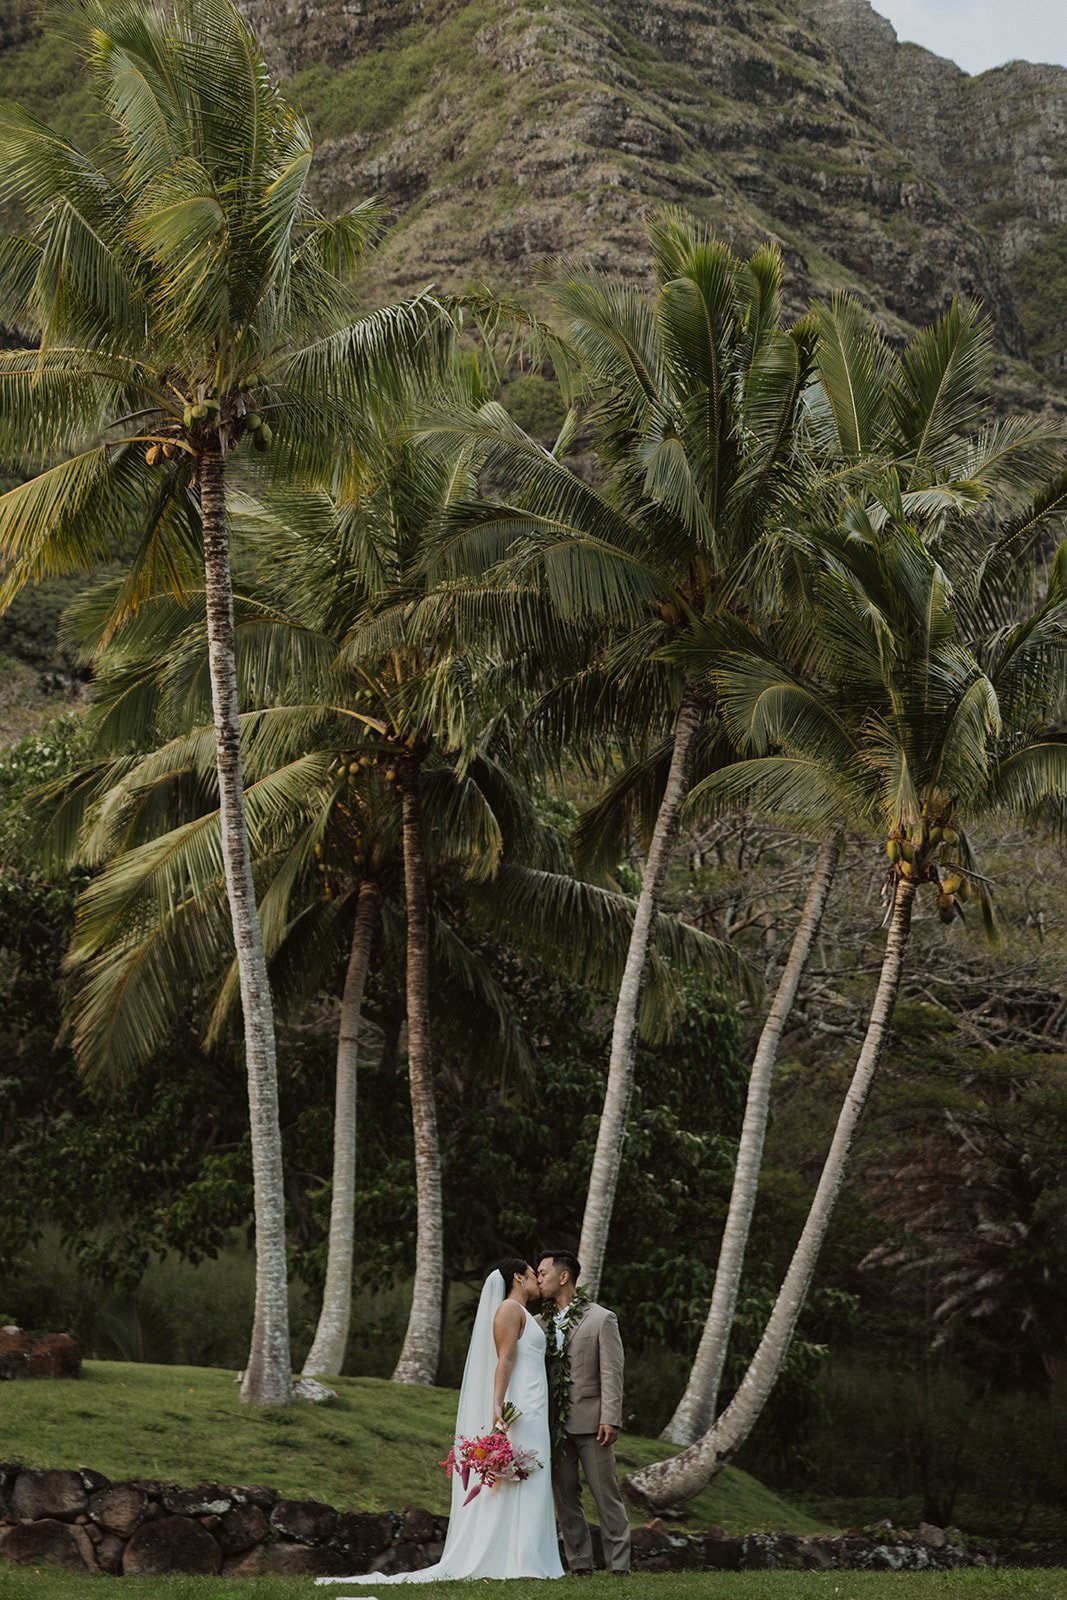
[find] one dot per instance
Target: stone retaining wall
(52, 1355)
(80, 1520)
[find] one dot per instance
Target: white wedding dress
(509, 1531)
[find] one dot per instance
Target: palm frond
(939, 389)
(586, 930)
(73, 516)
(472, 1005)
(800, 787)
(1022, 781)
(853, 362)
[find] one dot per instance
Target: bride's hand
(499, 1425)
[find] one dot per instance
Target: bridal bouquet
(492, 1459)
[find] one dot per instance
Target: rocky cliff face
(994, 142)
(507, 132)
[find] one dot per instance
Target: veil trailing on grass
(474, 1417)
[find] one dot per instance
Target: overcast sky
(983, 33)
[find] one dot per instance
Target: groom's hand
(606, 1434)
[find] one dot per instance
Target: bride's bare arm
(507, 1328)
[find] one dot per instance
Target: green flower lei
(559, 1362)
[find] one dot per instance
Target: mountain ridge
(877, 166)
(506, 133)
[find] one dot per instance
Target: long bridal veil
(474, 1417)
(475, 1413)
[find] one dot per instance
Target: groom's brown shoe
(582, 1572)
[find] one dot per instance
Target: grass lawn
(21, 1583)
(377, 1449)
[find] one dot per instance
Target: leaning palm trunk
(696, 1409)
(268, 1375)
(611, 1136)
(422, 1342)
(327, 1351)
(679, 1478)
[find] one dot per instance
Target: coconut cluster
(204, 411)
(929, 853)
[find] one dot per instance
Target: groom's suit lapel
(581, 1340)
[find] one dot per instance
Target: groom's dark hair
(564, 1261)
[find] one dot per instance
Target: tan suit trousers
(598, 1464)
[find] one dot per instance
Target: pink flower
(493, 1459)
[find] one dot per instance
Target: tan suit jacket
(596, 1373)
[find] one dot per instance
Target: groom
(586, 1337)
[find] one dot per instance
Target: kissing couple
(553, 1384)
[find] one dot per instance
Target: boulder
(319, 1394)
(389, 1561)
(56, 1493)
(91, 1481)
(660, 1563)
(120, 1509)
(285, 1559)
(109, 1548)
(14, 1361)
(881, 1558)
(364, 1535)
(724, 1555)
(53, 1355)
(155, 1492)
(406, 1557)
(933, 1537)
(656, 1549)
(819, 1553)
(241, 1528)
(207, 1500)
(253, 1495)
(306, 1521)
(48, 1542)
(249, 1564)
(172, 1544)
(417, 1526)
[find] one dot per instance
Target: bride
(510, 1531)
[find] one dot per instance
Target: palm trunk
(611, 1136)
(422, 1341)
(327, 1351)
(696, 1409)
(268, 1376)
(679, 1478)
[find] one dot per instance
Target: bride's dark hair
(508, 1268)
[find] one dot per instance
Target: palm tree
(327, 1353)
(917, 413)
(182, 290)
(696, 1409)
(696, 397)
(326, 830)
(426, 709)
(911, 727)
